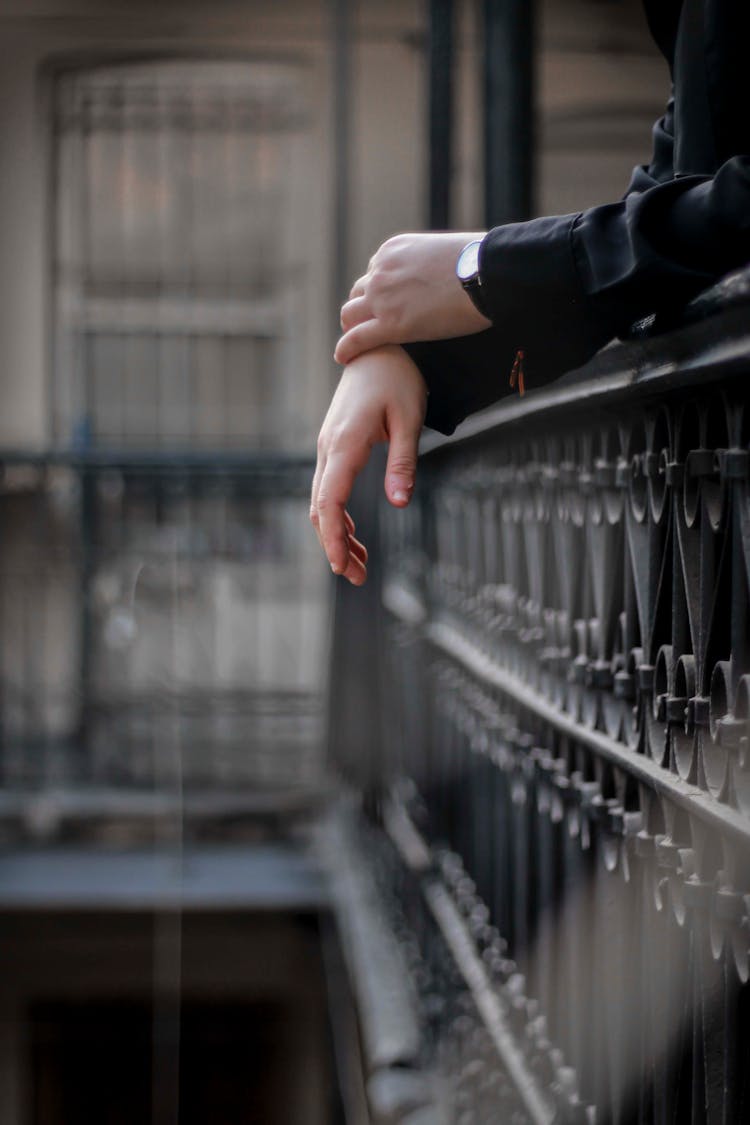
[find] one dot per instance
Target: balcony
(469, 844)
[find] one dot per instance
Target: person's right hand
(410, 292)
(381, 397)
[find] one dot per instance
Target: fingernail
(400, 495)
(335, 569)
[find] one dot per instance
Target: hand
(410, 292)
(381, 397)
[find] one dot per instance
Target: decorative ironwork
(568, 679)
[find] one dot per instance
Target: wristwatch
(467, 271)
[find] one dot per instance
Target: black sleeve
(658, 248)
(564, 286)
(463, 374)
(560, 287)
(574, 282)
(661, 166)
(467, 373)
(535, 300)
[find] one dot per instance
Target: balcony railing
(164, 623)
(564, 781)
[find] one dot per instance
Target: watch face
(467, 265)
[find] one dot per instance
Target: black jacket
(561, 287)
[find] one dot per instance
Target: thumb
(401, 469)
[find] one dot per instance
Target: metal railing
(565, 774)
(164, 618)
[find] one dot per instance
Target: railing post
(441, 112)
(341, 20)
(354, 707)
(508, 110)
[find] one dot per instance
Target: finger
(357, 290)
(354, 312)
(333, 493)
(319, 467)
(314, 517)
(361, 338)
(358, 549)
(356, 567)
(401, 467)
(356, 571)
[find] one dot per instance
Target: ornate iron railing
(567, 758)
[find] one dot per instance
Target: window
(185, 262)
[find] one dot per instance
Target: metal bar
(509, 109)
(95, 803)
(149, 460)
(440, 112)
(341, 22)
(356, 716)
(87, 561)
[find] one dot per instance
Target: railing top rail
(713, 344)
(150, 460)
(263, 474)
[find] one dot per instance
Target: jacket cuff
(536, 301)
(529, 262)
(463, 375)
(535, 297)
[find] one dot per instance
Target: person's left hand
(381, 397)
(410, 292)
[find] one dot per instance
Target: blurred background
(187, 190)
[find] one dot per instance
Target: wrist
(469, 276)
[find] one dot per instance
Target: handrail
(290, 473)
(691, 355)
